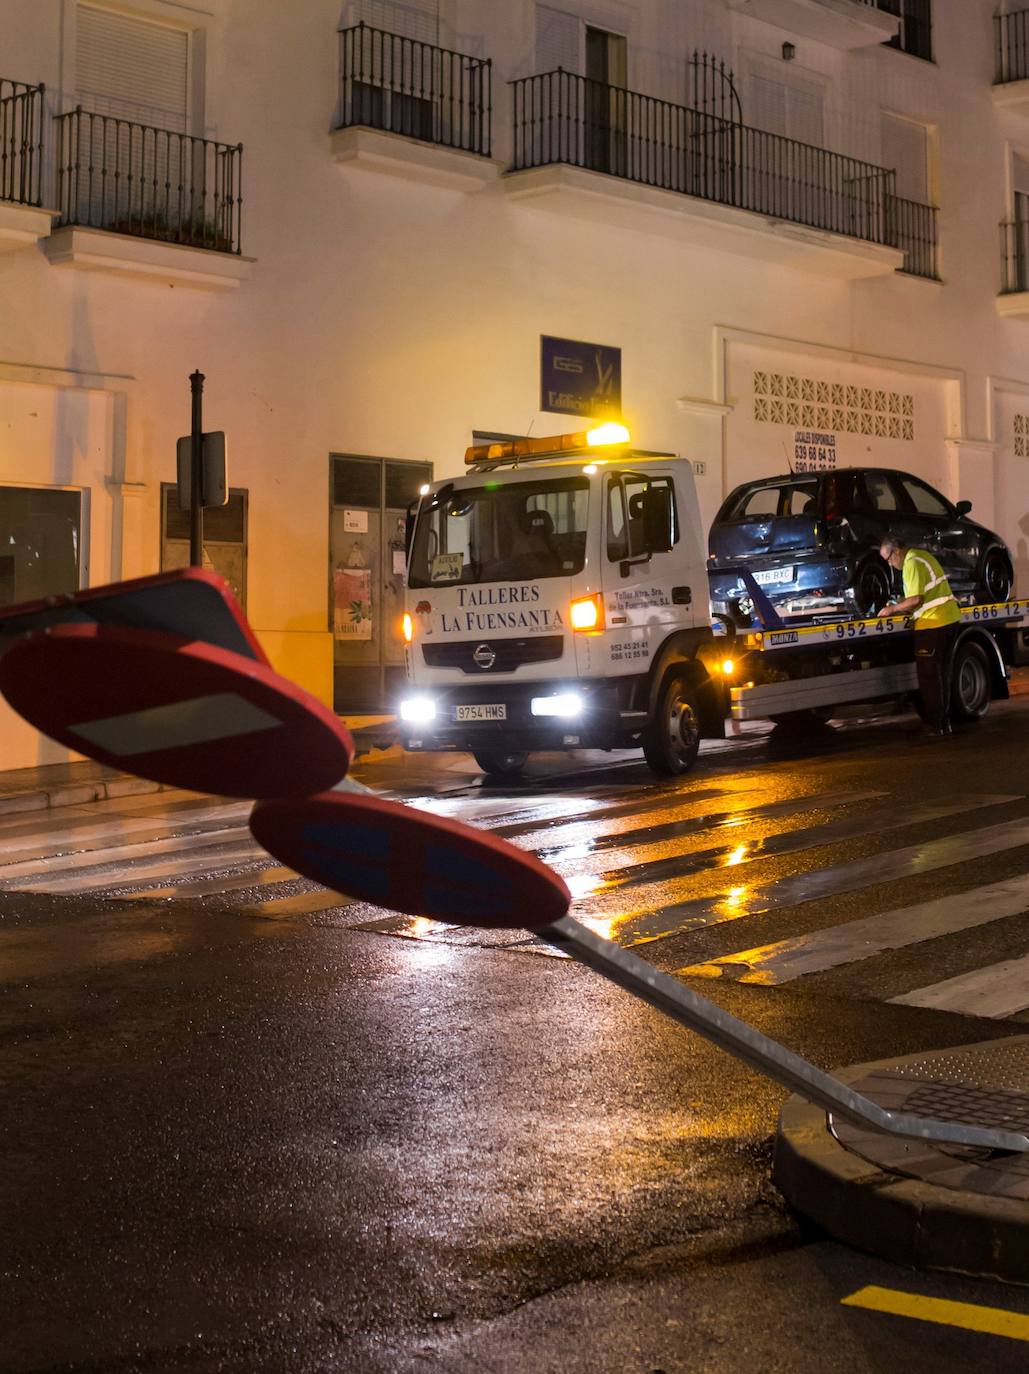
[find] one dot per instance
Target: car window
(880, 491)
(841, 493)
(761, 503)
(800, 500)
(925, 500)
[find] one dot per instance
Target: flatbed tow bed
(790, 670)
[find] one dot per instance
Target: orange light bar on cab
(408, 627)
(587, 614)
(550, 445)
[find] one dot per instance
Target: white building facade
(797, 229)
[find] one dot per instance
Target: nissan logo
(484, 656)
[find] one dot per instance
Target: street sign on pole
(196, 493)
(214, 476)
(176, 710)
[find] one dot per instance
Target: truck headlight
(418, 709)
(563, 704)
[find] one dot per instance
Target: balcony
(414, 110)
(1013, 300)
(839, 23)
(1011, 82)
(698, 178)
(23, 221)
(913, 231)
(148, 201)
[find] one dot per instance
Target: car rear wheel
(671, 739)
(498, 764)
(994, 577)
(871, 587)
(971, 687)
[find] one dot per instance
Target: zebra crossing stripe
(719, 820)
(790, 842)
(659, 923)
(212, 887)
(204, 859)
(787, 960)
(993, 992)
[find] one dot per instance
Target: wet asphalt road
(239, 1142)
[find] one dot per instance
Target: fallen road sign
(408, 860)
(190, 602)
(177, 711)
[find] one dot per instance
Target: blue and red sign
(178, 711)
(407, 860)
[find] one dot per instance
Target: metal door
(368, 505)
(225, 537)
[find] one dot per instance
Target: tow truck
(557, 599)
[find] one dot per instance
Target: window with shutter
(791, 109)
(132, 67)
(905, 149)
(559, 40)
(418, 19)
(145, 174)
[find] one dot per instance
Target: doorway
(606, 96)
(368, 500)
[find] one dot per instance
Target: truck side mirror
(657, 519)
(963, 507)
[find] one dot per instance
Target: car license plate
(773, 577)
(489, 711)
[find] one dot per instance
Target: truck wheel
(971, 684)
(499, 764)
(994, 577)
(671, 739)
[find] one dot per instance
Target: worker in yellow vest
(930, 602)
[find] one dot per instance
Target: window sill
(1013, 305)
(1013, 96)
(172, 264)
(373, 150)
(613, 201)
(842, 24)
(23, 225)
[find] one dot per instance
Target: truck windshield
(501, 532)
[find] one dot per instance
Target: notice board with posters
(578, 378)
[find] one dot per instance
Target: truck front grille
(510, 653)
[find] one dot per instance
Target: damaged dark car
(811, 542)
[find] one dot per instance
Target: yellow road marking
(991, 1321)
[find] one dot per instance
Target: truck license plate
(771, 577)
(489, 711)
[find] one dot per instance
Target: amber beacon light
(408, 627)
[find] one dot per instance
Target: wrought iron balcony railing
(406, 87)
(1011, 32)
(563, 118)
(21, 142)
(153, 183)
(913, 228)
(1014, 254)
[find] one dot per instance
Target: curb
(903, 1220)
(76, 794)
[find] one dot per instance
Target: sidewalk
(915, 1203)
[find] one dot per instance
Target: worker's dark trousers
(934, 651)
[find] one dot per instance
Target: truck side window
(625, 495)
(617, 527)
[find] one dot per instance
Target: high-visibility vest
(924, 577)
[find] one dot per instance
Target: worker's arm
(910, 603)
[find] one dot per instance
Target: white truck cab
(557, 598)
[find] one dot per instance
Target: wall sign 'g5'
(579, 378)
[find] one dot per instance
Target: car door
(947, 537)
